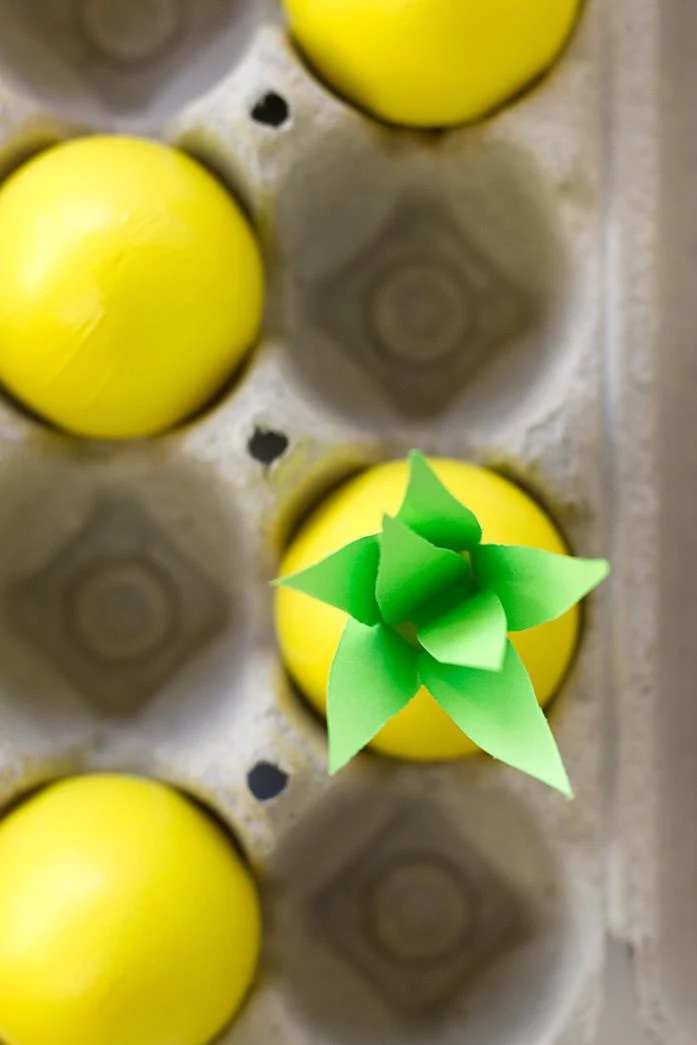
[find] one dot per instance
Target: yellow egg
(431, 63)
(126, 918)
(131, 286)
(309, 631)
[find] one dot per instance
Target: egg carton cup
(487, 294)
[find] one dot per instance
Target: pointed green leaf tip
(345, 580)
(431, 511)
(373, 676)
(535, 586)
(471, 635)
(412, 571)
(500, 713)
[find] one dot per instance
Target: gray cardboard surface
(555, 242)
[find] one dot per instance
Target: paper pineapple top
(430, 605)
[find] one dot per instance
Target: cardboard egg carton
(489, 294)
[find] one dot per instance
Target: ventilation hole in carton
(266, 781)
(266, 445)
(272, 110)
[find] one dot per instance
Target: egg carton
(490, 294)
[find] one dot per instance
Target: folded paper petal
(500, 713)
(471, 635)
(431, 511)
(535, 586)
(447, 600)
(346, 579)
(373, 676)
(412, 571)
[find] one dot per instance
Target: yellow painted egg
(431, 63)
(126, 918)
(131, 286)
(309, 631)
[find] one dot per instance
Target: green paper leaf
(471, 635)
(431, 511)
(412, 571)
(373, 676)
(535, 586)
(453, 596)
(500, 713)
(346, 579)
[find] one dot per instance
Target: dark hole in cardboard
(272, 110)
(266, 446)
(267, 781)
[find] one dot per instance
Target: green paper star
(428, 576)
